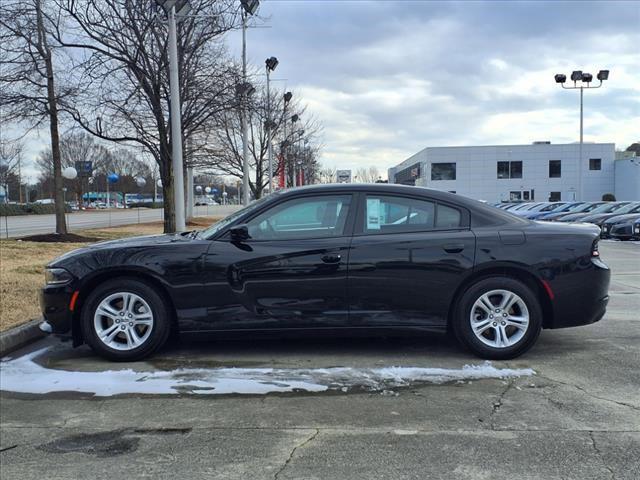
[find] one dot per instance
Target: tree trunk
(61, 224)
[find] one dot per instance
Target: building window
(555, 196)
(510, 169)
(443, 171)
(595, 164)
(555, 168)
(409, 175)
(515, 196)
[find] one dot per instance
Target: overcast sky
(388, 78)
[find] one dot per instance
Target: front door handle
(453, 247)
(331, 258)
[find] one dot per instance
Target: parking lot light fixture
(560, 78)
(585, 80)
(271, 63)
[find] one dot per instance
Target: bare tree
(122, 69)
(221, 148)
(28, 89)
(327, 175)
(368, 175)
(10, 158)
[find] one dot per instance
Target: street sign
(84, 168)
(343, 176)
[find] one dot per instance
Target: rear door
(407, 257)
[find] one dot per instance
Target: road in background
(23, 225)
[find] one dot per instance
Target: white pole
(176, 128)
(243, 115)
(190, 200)
(269, 145)
(580, 196)
(108, 200)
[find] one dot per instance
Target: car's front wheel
(498, 318)
(125, 320)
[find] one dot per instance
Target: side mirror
(239, 233)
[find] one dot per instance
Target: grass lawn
(22, 267)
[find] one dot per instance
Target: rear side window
(448, 217)
(388, 214)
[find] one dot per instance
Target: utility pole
(243, 115)
(176, 126)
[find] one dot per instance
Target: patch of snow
(24, 375)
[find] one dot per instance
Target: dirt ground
(22, 267)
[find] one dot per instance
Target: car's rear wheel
(125, 320)
(498, 318)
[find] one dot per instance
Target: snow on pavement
(24, 375)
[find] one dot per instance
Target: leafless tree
(121, 64)
(327, 175)
(221, 148)
(368, 175)
(10, 158)
(28, 89)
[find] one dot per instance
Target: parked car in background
(525, 207)
(335, 258)
(624, 229)
(565, 208)
(584, 208)
(599, 218)
(607, 225)
(541, 209)
(606, 207)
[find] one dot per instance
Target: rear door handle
(453, 247)
(331, 258)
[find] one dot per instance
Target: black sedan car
(335, 258)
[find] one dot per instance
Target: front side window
(443, 171)
(300, 218)
(385, 214)
(555, 168)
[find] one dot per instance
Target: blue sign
(113, 177)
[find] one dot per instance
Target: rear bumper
(581, 297)
(54, 303)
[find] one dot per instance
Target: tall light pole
(173, 9)
(271, 63)
(249, 7)
(585, 80)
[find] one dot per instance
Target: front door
(407, 258)
(290, 273)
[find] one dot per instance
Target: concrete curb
(20, 336)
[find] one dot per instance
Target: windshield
(629, 208)
(606, 208)
(218, 226)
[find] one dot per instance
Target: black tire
(462, 325)
(159, 308)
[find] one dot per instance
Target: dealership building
(541, 171)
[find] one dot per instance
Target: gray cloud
(389, 78)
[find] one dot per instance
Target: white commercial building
(541, 171)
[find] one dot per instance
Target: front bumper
(54, 303)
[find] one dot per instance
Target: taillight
(594, 249)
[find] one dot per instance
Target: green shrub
(608, 197)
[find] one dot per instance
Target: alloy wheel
(123, 321)
(499, 318)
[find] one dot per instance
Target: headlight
(637, 228)
(57, 276)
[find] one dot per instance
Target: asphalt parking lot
(577, 417)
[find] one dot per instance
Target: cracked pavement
(578, 418)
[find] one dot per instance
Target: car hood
(142, 241)
(622, 218)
